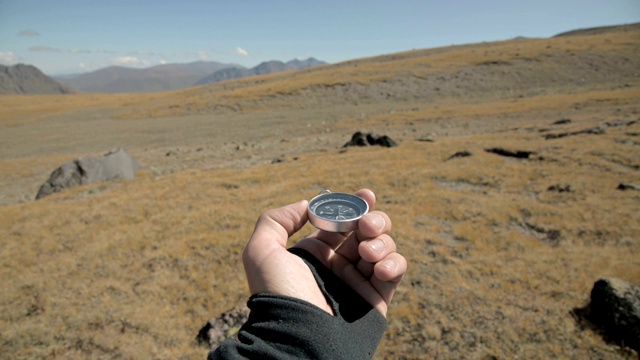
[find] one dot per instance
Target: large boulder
(615, 310)
(116, 164)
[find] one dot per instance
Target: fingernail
(389, 264)
(376, 245)
(377, 221)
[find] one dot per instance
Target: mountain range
(266, 67)
(27, 79)
(117, 79)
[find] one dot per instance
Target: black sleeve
(282, 327)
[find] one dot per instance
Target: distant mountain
(267, 67)
(27, 79)
(118, 79)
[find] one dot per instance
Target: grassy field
(498, 257)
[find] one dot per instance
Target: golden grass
(133, 269)
(21, 109)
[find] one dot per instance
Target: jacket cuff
(281, 327)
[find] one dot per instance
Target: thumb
(276, 225)
(269, 241)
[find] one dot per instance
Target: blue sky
(71, 36)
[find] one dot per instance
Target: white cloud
(242, 52)
(130, 61)
(8, 57)
(202, 55)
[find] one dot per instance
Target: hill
(602, 30)
(264, 68)
(503, 251)
(118, 79)
(27, 79)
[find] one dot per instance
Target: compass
(336, 212)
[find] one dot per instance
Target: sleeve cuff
(281, 327)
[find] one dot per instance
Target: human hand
(365, 259)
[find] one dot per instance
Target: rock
(385, 141)
(519, 154)
(224, 326)
(623, 187)
(459, 154)
(425, 139)
(357, 139)
(116, 164)
(361, 139)
(562, 122)
(620, 123)
(591, 131)
(561, 188)
(615, 310)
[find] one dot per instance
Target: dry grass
(133, 269)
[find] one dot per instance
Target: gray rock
(224, 326)
(615, 310)
(116, 164)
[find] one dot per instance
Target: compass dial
(337, 212)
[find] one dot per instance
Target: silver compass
(336, 212)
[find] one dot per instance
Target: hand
(365, 259)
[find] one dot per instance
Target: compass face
(337, 211)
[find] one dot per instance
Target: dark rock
(425, 139)
(591, 131)
(357, 139)
(519, 154)
(222, 327)
(620, 123)
(560, 188)
(628, 187)
(385, 141)
(562, 122)
(615, 310)
(361, 139)
(459, 154)
(371, 138)
(116, 164)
